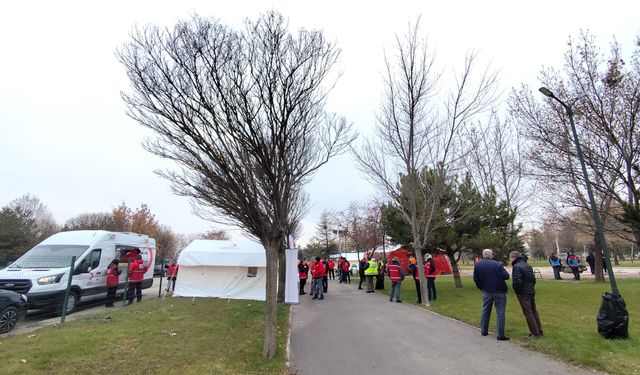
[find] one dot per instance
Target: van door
(88, 275)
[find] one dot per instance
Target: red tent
(442, 264)
(403, 257)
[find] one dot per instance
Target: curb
(288, 345)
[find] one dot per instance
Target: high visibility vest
(372, 270)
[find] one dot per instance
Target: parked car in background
(157, 269)
(12, 308)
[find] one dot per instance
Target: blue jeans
(317, 287)
(489, 299)
(395, 287)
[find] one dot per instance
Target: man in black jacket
(524, 282)
(490, 277)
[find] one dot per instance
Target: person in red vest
(346, 271)
(136, 275)
(332, 267)
(303, 273)
(113, 279)
(396, 275)
(318, 272)
(430, 273)
(172, 275)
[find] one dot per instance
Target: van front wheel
(72, 302)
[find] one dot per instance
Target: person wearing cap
(524, 282)
(430, 273)
(396, 275)
(113, 279)
(489, 276)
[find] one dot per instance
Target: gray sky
(64, 135)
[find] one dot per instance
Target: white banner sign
(291, 277)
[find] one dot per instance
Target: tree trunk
(423, 280)
(271, 306)
(599, 273)
(282, 269)
(454, 268)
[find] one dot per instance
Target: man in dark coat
(524, 282)
(490, 277)
(592, 262)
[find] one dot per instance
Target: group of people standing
(136, 270)
(490, 277)
(323, 269)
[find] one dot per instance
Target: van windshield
(50, 256)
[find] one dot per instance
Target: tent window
(252, 271)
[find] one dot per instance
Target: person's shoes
(484, 333)
(369, 291)
(315, 297)
(399, 300)
(532, 337)
(391, 300)
(503, 338)
(108, 305)
(321, 297)
(360, 288)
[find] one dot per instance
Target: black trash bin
(613, 318)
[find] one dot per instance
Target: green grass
(212, 336)
(568, 312)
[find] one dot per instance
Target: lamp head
(546, 92)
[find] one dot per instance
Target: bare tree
(94, 221)
(415, 140)
(44, 225)
(360, 225)
(214, 234)
(497, 166)
(606, 100)
(242, 114)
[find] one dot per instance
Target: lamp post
(592, 200)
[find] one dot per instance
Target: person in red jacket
(332, 267)
(303, 273)
(430, 273)
(136, 275)
(172, 275)
(396, 275)
(318, 272)
(113, 279)
(346, 271)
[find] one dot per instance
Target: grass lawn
(568, 312)
(212, 336)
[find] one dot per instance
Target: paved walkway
(351, 332)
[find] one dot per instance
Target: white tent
(225, 269)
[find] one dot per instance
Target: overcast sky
(64, 135)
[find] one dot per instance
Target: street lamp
(592, 200)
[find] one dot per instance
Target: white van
(42, 273)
